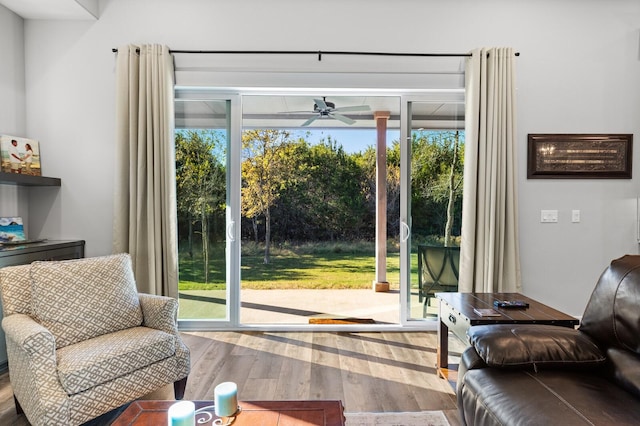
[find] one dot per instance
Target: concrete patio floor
(298, 306)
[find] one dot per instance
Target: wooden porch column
(380, 283)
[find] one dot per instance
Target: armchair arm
(159, 312)
(27, 334)
(31, 350)
(534, 346)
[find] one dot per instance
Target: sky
(352, 140)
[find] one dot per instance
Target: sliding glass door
(432, 156)
(206, 143)
(278, 200)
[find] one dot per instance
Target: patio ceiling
(291, 111)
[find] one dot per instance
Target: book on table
(488, 312)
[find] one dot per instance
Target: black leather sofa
(548, 375)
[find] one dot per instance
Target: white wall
(13, 200)
(578, 72)
(12, 107)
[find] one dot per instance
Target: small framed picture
(579, 156)
(11, 229)
(20, 155)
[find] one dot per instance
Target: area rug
(417, 418)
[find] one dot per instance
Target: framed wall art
(19, 155)
(579, 156)
(11, 229)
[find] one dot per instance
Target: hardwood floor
(368, 372)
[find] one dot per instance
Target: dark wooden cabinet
(46, 250)
(24, 254)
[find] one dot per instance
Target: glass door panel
(203, 145)
(432, 213)
(309, 208)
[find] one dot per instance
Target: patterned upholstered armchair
(81, 341)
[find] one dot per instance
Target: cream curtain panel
(145, 214)
(489, 252)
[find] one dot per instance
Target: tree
(200, 182)
(336, 201)
(264, 175)
(367, 161)
(436, 180)
(454, 184)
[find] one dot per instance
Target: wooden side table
(264, 413)
(457, 314)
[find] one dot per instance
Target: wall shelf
(27, 180)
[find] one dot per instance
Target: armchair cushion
(81, 299)
(102, 359)
(535, 346)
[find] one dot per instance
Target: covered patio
(302, 306)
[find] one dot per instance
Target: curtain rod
(316, 52)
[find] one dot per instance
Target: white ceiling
(54, 9)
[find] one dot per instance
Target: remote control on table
(510, 304)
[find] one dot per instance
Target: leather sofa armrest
(624, 366)
(534, 346)
(469, 360)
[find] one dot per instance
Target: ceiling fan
(325, 109)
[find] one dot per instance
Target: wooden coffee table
(254, 413)
(456, 314)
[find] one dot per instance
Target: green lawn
(312, 266)
(319, 267)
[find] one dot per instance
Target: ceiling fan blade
(309, 121)
(340, 117)
(321, 104)
(354, 108)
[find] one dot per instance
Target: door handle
(230, 231)
(407, 231)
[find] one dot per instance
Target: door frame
(232, 213)
(405, 198)
(233, 244)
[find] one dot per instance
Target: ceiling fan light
(330, 105)
(326, 109)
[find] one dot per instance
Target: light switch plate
(575, 216)
(549, 216)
